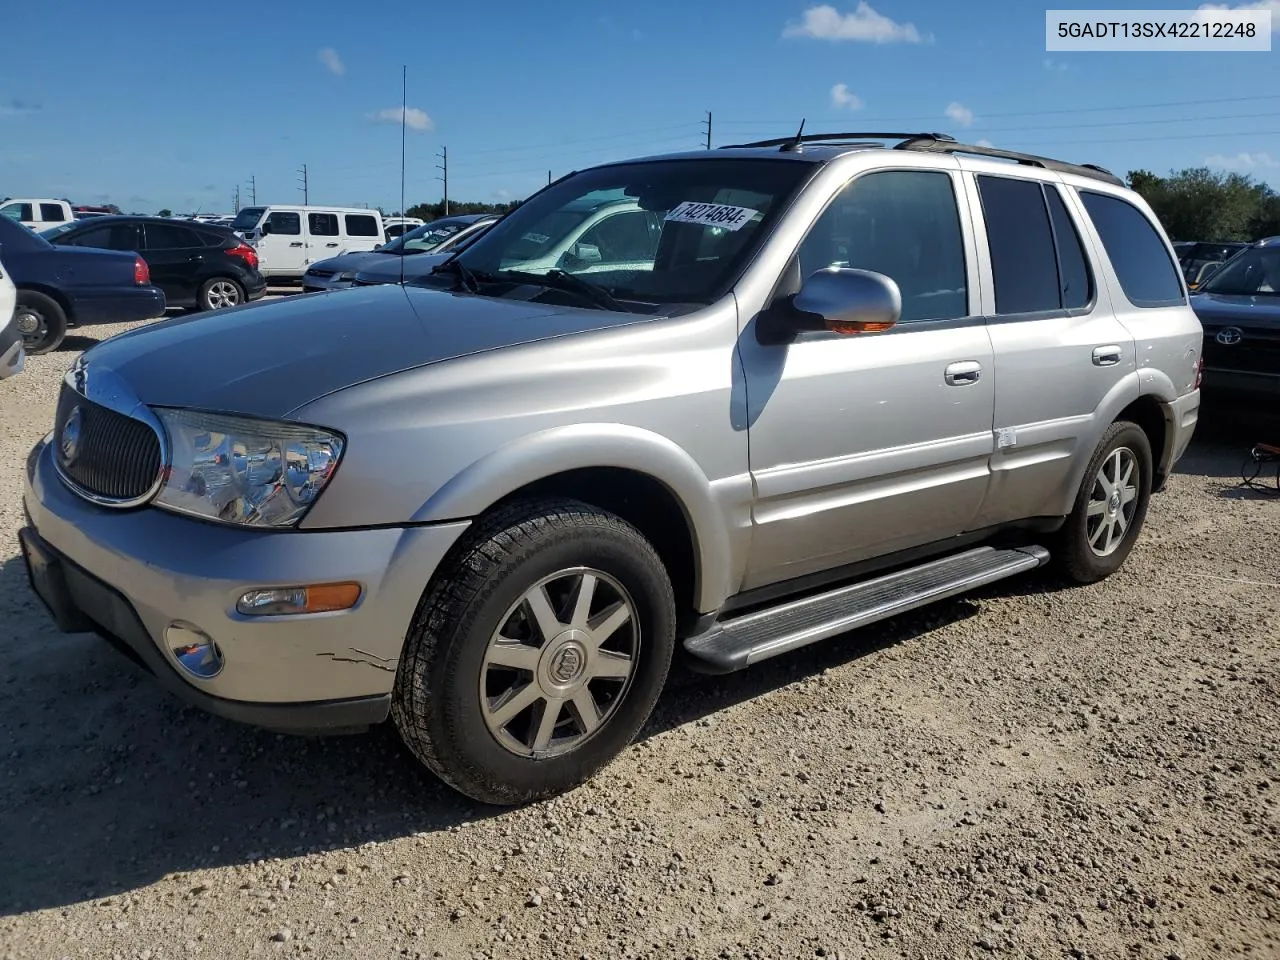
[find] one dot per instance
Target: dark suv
(195, 264)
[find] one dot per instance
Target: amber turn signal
(857, 326)
(315, 598)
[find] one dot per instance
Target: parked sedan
(62, 287)
(11, 352)
(198, 265)
(1239, 308)
(438, 236)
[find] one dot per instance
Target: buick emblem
(1229, 336)
(69, 440)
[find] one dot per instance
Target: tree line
(1201, 204)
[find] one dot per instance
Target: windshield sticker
(712, 214)
(536, 237)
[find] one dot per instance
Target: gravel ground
(1028, 771)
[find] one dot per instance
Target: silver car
(437, 237)
(800, 386)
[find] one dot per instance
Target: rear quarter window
(361, 225)
(1136, 250)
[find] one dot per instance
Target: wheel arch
(643, 477)
(54, 294)
(1149, 414)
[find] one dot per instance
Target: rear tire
(1110, 506)
(220, 293)
(538, 654)
(40, 320)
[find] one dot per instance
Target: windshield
(248, 218)
(1254, 272)
(426, 237)
(664, 231)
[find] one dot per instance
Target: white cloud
(865, 24)
(844, 98)
(984, 143)
(1057, 66)
(414, 118)
(960, 114)
(1242, 161)
(332, 62)
(1272, 5)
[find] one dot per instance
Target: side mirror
(265, 228)
(845, 301)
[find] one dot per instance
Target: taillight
(141, 272)
(245, 253)
(1199, 371)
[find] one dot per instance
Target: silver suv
(804, 385)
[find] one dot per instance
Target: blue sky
(163, 104)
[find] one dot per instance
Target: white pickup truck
(39, 214)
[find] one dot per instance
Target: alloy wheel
(1112, 502)
(222, 293)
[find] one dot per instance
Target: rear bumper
(256, 288)
(144, 303)
(1180, 417)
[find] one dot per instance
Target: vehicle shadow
(115, 784)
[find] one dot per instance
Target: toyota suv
(857, 373)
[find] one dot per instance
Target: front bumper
(129, 574)
(314, 284)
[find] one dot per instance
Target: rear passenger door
(322, 237)
(1059, 349)
(175, 255)
(361, 231)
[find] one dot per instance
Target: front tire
(1110, 506)
(40, 320)
(219, 293)
(538, 654)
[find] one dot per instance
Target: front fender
(561, 449)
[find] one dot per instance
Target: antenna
(793, 144)
(404, 105)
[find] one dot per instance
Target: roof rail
(932, 144)
(820, 137)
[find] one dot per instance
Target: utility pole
(253, 189)
(708, 123)
(235, 200)
(304, 183)
(444, 166)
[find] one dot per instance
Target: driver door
(864, 445)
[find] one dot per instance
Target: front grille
(110, 456)
(323, 274)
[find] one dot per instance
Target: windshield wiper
(560, 280)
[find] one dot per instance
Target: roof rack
(821, 137)
(931, 143)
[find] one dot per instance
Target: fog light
(194, 650)
(317, 598)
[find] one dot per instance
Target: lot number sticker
(712, 214)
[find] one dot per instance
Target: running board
(739, 642)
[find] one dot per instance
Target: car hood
(357, 260)
(267, 359)
(1218, 309)
(414, 265)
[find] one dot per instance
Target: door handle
(963, 373)
(296, 243)
(1107, 356)
(330, 244)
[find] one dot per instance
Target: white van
(288, 238)
(39, 214)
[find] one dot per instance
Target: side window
(162, 236)
(322, 224)
(1023, 264)
(18, 211)
(623, 238)
(289, 224)
(97, 237)
(361, 225)
(51, 211)
(1073, 267)
(1136, 251)
(904, 224)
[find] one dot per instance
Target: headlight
(349, 275)
(242, 470)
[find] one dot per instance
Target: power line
(305, 185)
(1041, 113)
(569, 143)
